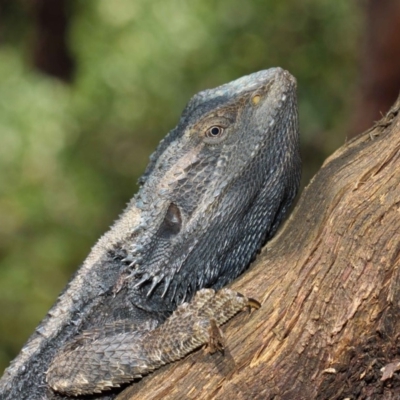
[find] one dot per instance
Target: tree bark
(329, 285)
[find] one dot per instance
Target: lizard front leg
(96, 362)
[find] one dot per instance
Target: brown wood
(329, 285)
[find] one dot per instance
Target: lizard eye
(214, 131)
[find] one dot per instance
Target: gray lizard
(214, 192)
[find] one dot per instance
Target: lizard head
(215, 190)
(217, 186)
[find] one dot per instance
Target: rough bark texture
(329, 285)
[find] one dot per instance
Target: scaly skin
(99, 360)
(215, 191)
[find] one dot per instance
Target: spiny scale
(111, 363)
(206, 205)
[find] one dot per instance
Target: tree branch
(329, 287)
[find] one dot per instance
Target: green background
(70, 154)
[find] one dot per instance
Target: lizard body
(215, 191)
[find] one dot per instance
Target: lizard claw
(253, 303)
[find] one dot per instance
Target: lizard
(215, 191)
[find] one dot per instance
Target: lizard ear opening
(172, 222)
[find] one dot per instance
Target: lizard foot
(96, 363)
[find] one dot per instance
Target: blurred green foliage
(70, 155)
